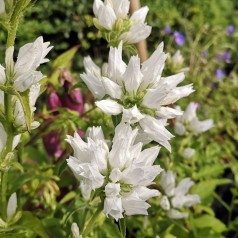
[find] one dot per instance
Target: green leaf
(14, 235)
(111, 229)
(64, 60)
(205, 188)
(30, 222)
(209, 221)
(209, 170)
(69, 196)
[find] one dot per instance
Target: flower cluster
(122, 173)
(24, 78)
(189, 121)
(175, 198)
(140, 94)
(112, 19)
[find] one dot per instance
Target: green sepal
(24, 100)
(116, 119)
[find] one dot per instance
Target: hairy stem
(14, 21)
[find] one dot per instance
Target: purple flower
(179, 38)
(74, 101)
(167, 30)
(230, 30)
(54, 100)
(204, 54)
(52, 144)
(227, 56)
(220, 74)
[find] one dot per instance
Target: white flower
(3, 137)
(189, 121)
(12, 206)
(19, 115)
(139, 93)
(112, 12)
(188, 153)
(75, 230)
(175, 214)
(139, 30)
(176, 197)
(124, 172)
(23, 73)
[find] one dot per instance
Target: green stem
(9, 143)
(122, 224)
(91, 222)
(19, 7)
(3, 195)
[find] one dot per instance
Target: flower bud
(2, 7)
(12, 206)
(52, 144)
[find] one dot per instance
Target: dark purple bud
(230, 30)
(227, 56)
(167, 30)
(54, 101)
(52, 144)
(220, 74)
(219, 56)
(179, 38)
(204, 54)
(74, 101)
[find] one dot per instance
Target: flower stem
(3, 195)
(17, 12)
(91, 222)
(122, 224)
(10, 136)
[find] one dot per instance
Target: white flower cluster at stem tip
(112, 13)
(123, 173)
(22, 75)
(137, 92)
(175, 198)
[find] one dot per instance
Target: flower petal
(109, 106)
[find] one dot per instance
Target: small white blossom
(75, 230)
(3, 137)
(189, 121)
(23, 73)
(175, 198)
(139, 93)
(188, 153)
(110, 12)
(12, 206)
(124, 172)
